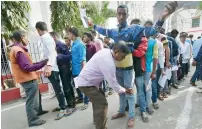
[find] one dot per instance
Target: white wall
(40, 11)
(182, 21)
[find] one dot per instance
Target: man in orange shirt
(24, 73)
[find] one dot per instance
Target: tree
(13, 17)
(199, 11)
(98, 15)
(66, 14)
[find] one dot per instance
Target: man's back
(49, 51)
(93, 71)
(78, 56)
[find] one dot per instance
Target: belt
(127, 68)
(87, 86)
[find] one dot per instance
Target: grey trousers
(32, 101)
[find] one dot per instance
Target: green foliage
(66, 14)
(13, 16)
(199, 11)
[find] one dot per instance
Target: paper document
(75, 82)
(149, 85)
(174, 68)
(168, 73)
(84, 18)
(162, 80)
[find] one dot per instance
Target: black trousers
(65, 75)
(55, 81)
(185, 69)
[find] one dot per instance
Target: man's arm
(104, 31)
(155, 60)
(25, 65)
(65, 55)
(109, 72)
(82, 55)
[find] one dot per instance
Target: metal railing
(7, 80)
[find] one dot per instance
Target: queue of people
(132, 66)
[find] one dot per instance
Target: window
(196, 22)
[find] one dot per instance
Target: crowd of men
(132, 65)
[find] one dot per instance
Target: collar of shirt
(122, 25)
(45, 35)
(89, 44)
(20, 45)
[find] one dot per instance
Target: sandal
(165, 95)
(131, 123)
(118, 115)
(161, 97)
(171, 6)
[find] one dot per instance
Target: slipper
(118, 115)
(171, 7)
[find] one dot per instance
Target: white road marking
(19, 105)
(183, 120)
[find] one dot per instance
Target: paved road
(182, 110)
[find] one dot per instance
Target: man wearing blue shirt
(196, 49)
(132, 35)
(78, 58)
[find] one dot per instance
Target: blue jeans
(148, 91)
(156, 86)
(141, 92)
(125, 78)
(196, 73)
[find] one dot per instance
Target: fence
(7, 80)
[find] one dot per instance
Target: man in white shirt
(51, 69)
(186, 51)
(100, 67)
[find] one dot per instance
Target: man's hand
(169, 9)
(153, 75)
(168, 64)
(47, 70)
(90, 22)
(129, 91)
(46, 61)
(194, 63)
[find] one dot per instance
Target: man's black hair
(54, 34)
(74, 31)
(89, 35)
(198, 37)
(121, 46)
(41, 26)
(162, 30)
(17, 35)
(149, 22)
(135, 21)
(174, 31)
(122, 6)
(191, 36)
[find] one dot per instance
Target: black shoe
(144, 117)
(42, 112)
(41, 122)
(79, 101)
(174, 86)
(150, 111)
(56, 109)
(127, 108)
(136, 105)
